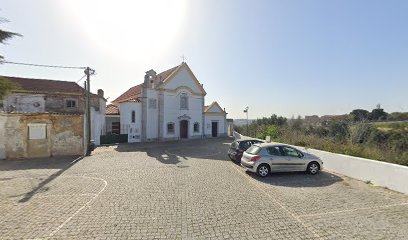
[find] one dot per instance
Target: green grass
(398, 127)
(347, 148)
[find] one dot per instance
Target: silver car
(265, 158)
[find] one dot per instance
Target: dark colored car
(239, 146)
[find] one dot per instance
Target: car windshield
(254, 150)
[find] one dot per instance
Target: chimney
(100, 93)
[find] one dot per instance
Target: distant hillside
(242, 122)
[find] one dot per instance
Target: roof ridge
(40, 79)
(131, 92)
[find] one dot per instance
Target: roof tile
(112, 110)
(130, 93)
(45, 85)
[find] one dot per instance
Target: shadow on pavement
(298, 179)
(154, 150)
(37, 163)
(176, 151)
(61, 163)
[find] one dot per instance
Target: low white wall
(392, 176)
(379, 173)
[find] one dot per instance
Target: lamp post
(246, 111)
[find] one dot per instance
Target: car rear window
(245, 144)
(254, 150)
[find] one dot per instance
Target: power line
(81, 78)
(42, 65)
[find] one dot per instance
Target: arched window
(133, 116)
(196, 127)
(183, 101)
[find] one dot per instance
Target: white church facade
(166, 106)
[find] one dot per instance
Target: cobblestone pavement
(187, 190)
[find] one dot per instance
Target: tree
(296, 124)
(397, 116)
(5, 85)
(339, 130)
(378, 114)
(359, 115)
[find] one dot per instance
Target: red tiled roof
(130, 93)
(163, 75)
(133, 92)
(45, 85)
(206, 108)
(132, 99)
(112, 109)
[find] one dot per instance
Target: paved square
(187, 190)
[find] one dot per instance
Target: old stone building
(43, 118)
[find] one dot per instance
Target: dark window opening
(116, 128)
(170, 128)
(196, 127)
(133, 116)
(70, 103)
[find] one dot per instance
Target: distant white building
(167, 106)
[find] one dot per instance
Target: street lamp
(246, 111)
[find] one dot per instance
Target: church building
(166, 106)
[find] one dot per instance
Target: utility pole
(88, 72)
(246, 111)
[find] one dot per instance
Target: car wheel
(263, 170)
(313, 168)
(238, 159)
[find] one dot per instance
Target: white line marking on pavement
(86, 204)
(277, 202)
(354, 209)
(65, 195)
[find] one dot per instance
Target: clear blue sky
(284, 57)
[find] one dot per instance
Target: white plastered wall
(172, 112)
(98, 122)
(133, 129)
(183, 78)
(208, 125)
(152, 121)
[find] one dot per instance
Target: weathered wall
(57, 103)
(3, 120)
(25, 103)
(32, 102)
(64, 135)
(16, 137)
